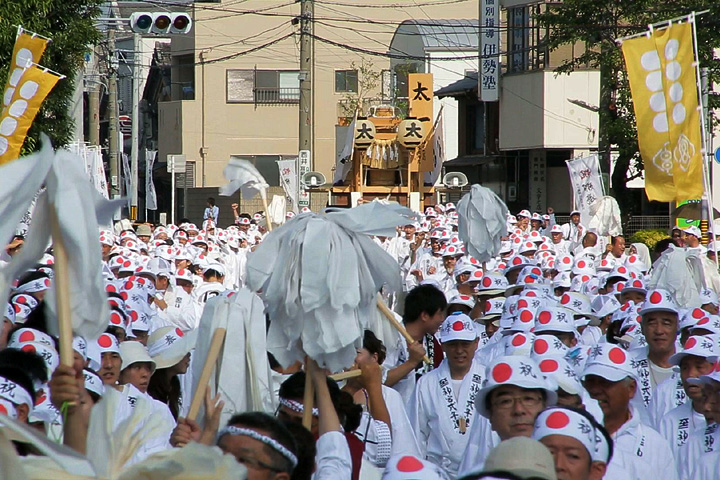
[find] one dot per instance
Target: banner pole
(703, 136)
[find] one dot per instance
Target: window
(262, 86)
(525, 40)
(346, 81)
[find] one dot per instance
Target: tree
(71, 26)
(368, 80)
(596, 24)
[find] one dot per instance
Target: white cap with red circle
(609, 362)
(457, 326)
(565, 422)
(659, 300)
(698, 346)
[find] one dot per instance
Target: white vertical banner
(288, 177)
(150, 196)
(303, 168)
(127, 176)
(98, 172)
(489, 74)
(343, 163)
(438, 151)
(538, 172)
(587, 184)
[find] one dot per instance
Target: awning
(468, 161)
(460, 88)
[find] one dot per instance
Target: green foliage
(596, 24)
(71, 26)
(368, 81)
(649, 237)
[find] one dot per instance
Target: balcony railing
(272, 95)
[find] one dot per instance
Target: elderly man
(610, 378)
(572, 440)
(442, 409)
(514, 392)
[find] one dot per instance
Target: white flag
(586, 183)
(128, 177)
(243, 176)
(438, 151)
(150, 196)
(288, 177)
(343, 163)
(98, 172)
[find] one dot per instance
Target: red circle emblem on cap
(517, 261)
(698, 313)
(40, 399)
(691, 342)
(16, 308)
(544, 317)
(540, 346)
(522, 303)
(548, 365)
(565, 299)
(619, 286)
(47, 282)
(457, 326)
(502, 372)
(126, 263)
(617, 356)
(28, 348)
(409, 464)
(27, 336)
(566, 260)
(128, 285)
(119, 260)
(581, 264)
(526, 316)
(531, 294)
(179, 332)
(622, 270)
(656, 298)
(105, 341)
(518, 340)
(488, 306)
(21, 299)
(124, 295)
(557, 420)
(704, 320)
(3, 410)
(486, 282)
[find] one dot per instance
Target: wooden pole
(345, 375)
(62, 291)
(216, 344)
(308, 397)
(268, 220)
(398, 326)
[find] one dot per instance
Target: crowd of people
(564, 357)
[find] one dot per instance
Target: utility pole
(113, 117)
(305, 111)
(135, 131)
(94, 102)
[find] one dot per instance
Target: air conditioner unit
(313, 180)
(455, 180)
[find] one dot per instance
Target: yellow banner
(663, 83)
(28, 96)
(28, 48)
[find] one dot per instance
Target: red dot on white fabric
(698, 313)
(129, 285)
(517, 261)
(622, 270)
(526, 316)
(565, 299)
(124, 295)
(518, 340)
(617, 356)
(409, 464)
(581, 264)
(3, 410)
(502, 372)
(27, 336)
(115, 318)
(619, 286)
(21, 299)
(110, 288)
(28, 348)
(457, 326)
(531, 294)
(557, 420)
(126, 264)
(119, 261)
(105, 341)
(691, 342)
(632, 259)
(488, 306)
(17, 308)
(548, 365)
(179, 332)
(544, 317)
(47, 282)
(656, 298)
(566, 260)
(540, 346)
(585, 278)
(522, 303)
(134, 315)
(486, 282)
(40, 399)
(704, 321)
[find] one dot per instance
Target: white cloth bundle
(319, 276)
(481, 222)
(606, 217)
(244, 176)
(683, 273)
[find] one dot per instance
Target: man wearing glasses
(514, 393)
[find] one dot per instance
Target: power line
(245, 52)
(391, 5)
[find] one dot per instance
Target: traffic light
(161, 23)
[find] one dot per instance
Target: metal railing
(636, 223)
(271, 95)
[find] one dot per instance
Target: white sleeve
(333, 459)
(378, 443)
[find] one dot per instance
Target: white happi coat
(700, 447)
(206, 291)
(643, 452)
(668, 395)
(678, 425)
(645, 391)
(436, 415)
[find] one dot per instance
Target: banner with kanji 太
(661, 72)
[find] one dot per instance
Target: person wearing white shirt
(610, 378)
(574, 231)
(442, 409)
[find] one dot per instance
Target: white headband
(34, 286)
(14, 393)
(272, 443)
(297, 406)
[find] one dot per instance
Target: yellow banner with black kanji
(663, 83)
